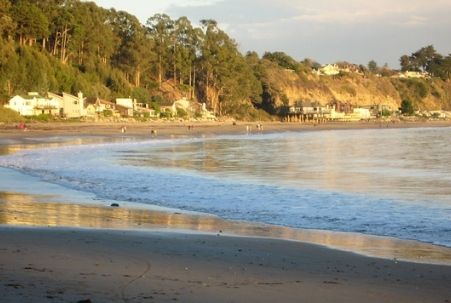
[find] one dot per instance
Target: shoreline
(56, 135)
(73, 252)
(181, 129)
(39, 211)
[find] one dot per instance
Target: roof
(94, 100)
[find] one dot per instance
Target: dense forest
(71, 46)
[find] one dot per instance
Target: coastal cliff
(286, 87)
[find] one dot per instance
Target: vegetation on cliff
(71, 46)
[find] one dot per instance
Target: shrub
(9, 116)
(407, 107)
(181, 113)
(42, 118)
(386, 113)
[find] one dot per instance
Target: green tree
(372, 66)
(282, 60)
(32, 24)
(424, 57)
(405, 63)
(161, 26)
(7, 25)
(134, 53)
(407, 107)
(227, 79)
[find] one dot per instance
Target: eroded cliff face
(356, 89)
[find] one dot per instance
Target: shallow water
(394, 182)
(46, 210)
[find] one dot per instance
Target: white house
(363, 113)
(412, 75)
(127, 104)
(33, 104)
(23, 105)
(70, 106)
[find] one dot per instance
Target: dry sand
(57, 264)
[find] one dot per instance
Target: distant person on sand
(123, 129)
(22, 126)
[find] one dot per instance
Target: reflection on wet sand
(11, 147)
(26, 210)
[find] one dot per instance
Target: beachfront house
(126, 106)
(70, 106)
(144, 111)
(33, 105)
(97, 107)
(362, 113)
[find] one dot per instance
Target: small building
(145, 112)
(329, 70)
(363, 113)
(33, 105)
(341, 107)
(412, 75)
(70, 106)
(98, 107)
(124, 111)
(127, 105)
(335, 69)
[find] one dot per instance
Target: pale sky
(325, 30)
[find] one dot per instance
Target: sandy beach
(65, 252)
(179, 129)
(73, 265)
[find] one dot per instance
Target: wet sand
(58, 252)
(181, 129)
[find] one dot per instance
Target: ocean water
(388, 182)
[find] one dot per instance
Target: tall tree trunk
(55, 44)
(9, 87)
(207, 90)
(159, 70)
(194, 83)
(189, 84)
(64, 45)
(138, 77)
(175, 65)
(82, 53)
(175, 72)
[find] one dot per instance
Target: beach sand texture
(57, 265)
(54, 261)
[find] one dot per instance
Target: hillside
(359, 90)
(71, 46)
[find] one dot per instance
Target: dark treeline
(68, 45)
(71, 46)
(427, 59)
